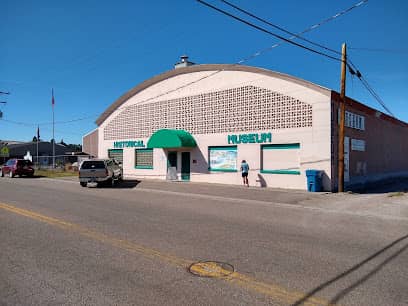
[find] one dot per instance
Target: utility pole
(340, 176)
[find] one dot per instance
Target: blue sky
(92, 52)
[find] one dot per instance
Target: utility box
(314, 180)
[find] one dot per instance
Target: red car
(17, 167)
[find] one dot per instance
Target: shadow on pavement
(355, 268)
(391, 185)
(127, 184)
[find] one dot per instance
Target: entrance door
(172, 166)
(185, 166)
(172, 159)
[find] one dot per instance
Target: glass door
(185, 166)
(172, 165)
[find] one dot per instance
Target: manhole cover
(211, 269)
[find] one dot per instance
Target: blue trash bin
(314, 180)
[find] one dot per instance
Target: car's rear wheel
(83, 184)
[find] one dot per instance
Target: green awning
(167, 139)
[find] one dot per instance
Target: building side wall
(90, 143)
(386, 145)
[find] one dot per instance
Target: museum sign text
(250, 138)
(128, 144)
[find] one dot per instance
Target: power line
(362, 79)
(381, 50)
(17, 122)
(266, 31)
(91, 59)
(310, 28)
(349, 63)
(375, 95)
(240, 62)
(279, 27)
(70, 121)
(367, 86)
(49, 123)
(258, 53)
(30, 125)
(335, 16)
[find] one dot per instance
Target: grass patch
(54, 173)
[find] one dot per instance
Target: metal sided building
(198, 122)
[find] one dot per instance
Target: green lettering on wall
(258, 139)
(235, 139)
(250, 138)
(232, 139)
(128, 144)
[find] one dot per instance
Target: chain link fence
(62, 162)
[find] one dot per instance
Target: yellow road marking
(275, 292)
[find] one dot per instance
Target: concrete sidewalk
(392, 204)
(232, 191)
(289, 196)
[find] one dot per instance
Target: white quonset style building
(197, 122)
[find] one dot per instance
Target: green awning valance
(167, 139)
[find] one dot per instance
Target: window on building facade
(352, 120)
(222, 158)
(280, 158)
(116, 154)
(144, 158)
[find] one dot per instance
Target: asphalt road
(61, 244)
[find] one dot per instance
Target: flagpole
(38, 136)
(53, 130)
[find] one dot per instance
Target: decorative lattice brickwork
(239, 109)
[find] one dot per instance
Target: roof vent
(184, 62)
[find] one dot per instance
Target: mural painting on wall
(223, 159)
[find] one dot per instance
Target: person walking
(244, 171)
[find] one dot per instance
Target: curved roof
(198, 68)
(167, 138)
